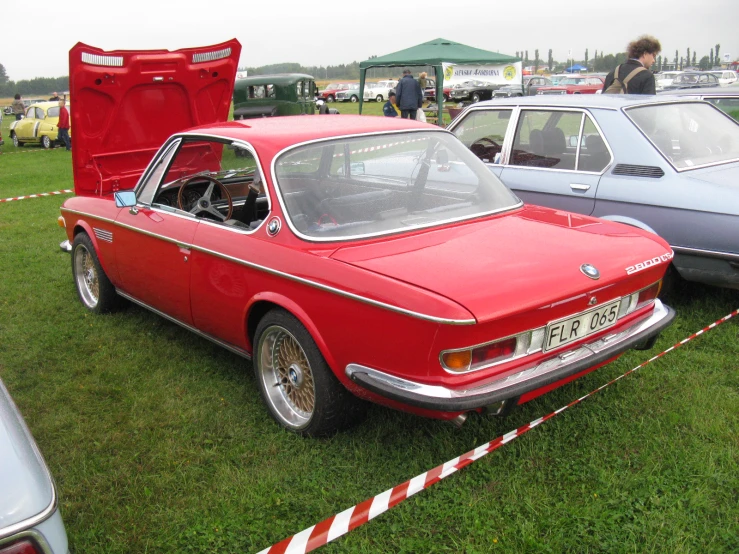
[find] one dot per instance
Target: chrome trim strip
(308, 238)
(579, 142)
(432, 392)
(226, 345)
(97, 59)
(289, 276)
(334, 290)
(707, 253)
(47, 512)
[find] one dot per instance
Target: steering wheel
(205, 202)
(485, 142)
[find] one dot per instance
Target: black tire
(46, 142)
(353, 99)
(475, 97)
(330, 98)
(94, 289)
(379, 98)
(299, 389)
(16, 142)
(648, 344)
(323, 109)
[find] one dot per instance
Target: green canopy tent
(435, 53)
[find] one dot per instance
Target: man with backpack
(633, 76)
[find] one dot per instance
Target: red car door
(153, 259)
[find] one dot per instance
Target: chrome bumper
(436, 397)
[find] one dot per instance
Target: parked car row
(39, 126)
(676, 80)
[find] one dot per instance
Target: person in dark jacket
(642, 52)
(408, 95)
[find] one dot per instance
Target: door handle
(578, 186)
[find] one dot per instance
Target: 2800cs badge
(351, 259)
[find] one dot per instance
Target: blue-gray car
(664, 164)
(29, 516)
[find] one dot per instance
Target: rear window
(689, 134)
(365, 186)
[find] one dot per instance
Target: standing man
(633, 76)
(409, 95)
(63, 125)
(18, 107)
(54, 97)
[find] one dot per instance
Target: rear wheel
(330, 98)
(95, 290)
(475, 97)
(46, 142)
(354, 99)
(379, 98)
(301, 392)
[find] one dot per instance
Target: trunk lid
(126, 103)
(494, 267)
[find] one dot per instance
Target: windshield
(689, 134)
(571, 81)
(373, 185)
(333, 86)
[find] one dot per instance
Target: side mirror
(125, 199)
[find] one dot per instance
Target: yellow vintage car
(39, 125)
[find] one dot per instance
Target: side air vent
(97, 59)
(638, 171)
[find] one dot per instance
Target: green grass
(159, 442)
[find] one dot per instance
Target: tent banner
(500, 74)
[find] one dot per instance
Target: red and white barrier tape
(33, 151)
(337, 525)
(39, 195)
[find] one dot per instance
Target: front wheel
(95, 290)
(46, 142)
(379, 98)
(300, 390)
(475, 97)
(330, 98)
(16, 142)
(354, 99)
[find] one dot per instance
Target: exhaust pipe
(459, 420)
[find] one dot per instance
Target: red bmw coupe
(350, 258)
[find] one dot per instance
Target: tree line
(606, 62)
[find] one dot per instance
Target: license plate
(574, 328)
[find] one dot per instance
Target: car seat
(595, 156)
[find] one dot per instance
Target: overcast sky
(36, 41)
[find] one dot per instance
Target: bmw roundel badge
(590, 270)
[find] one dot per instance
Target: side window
(541, 139)
(594, 155)
(40, 113)
(31, 112)
(270, 91)
(483, 131)
(299, 89)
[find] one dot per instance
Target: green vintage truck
(274, 95)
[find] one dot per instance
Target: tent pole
(361, 88)
(439, 71)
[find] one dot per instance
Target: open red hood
(126, 103)
(494, 267)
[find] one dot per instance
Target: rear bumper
(435, 397)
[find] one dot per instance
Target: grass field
(159, 442)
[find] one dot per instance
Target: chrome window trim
(308, 238)
(47, 512)
(691, 100)
(579, 142)
(518, 111)
(283, 274)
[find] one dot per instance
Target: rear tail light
(478, 357)
(639, 299)
(21, 547)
